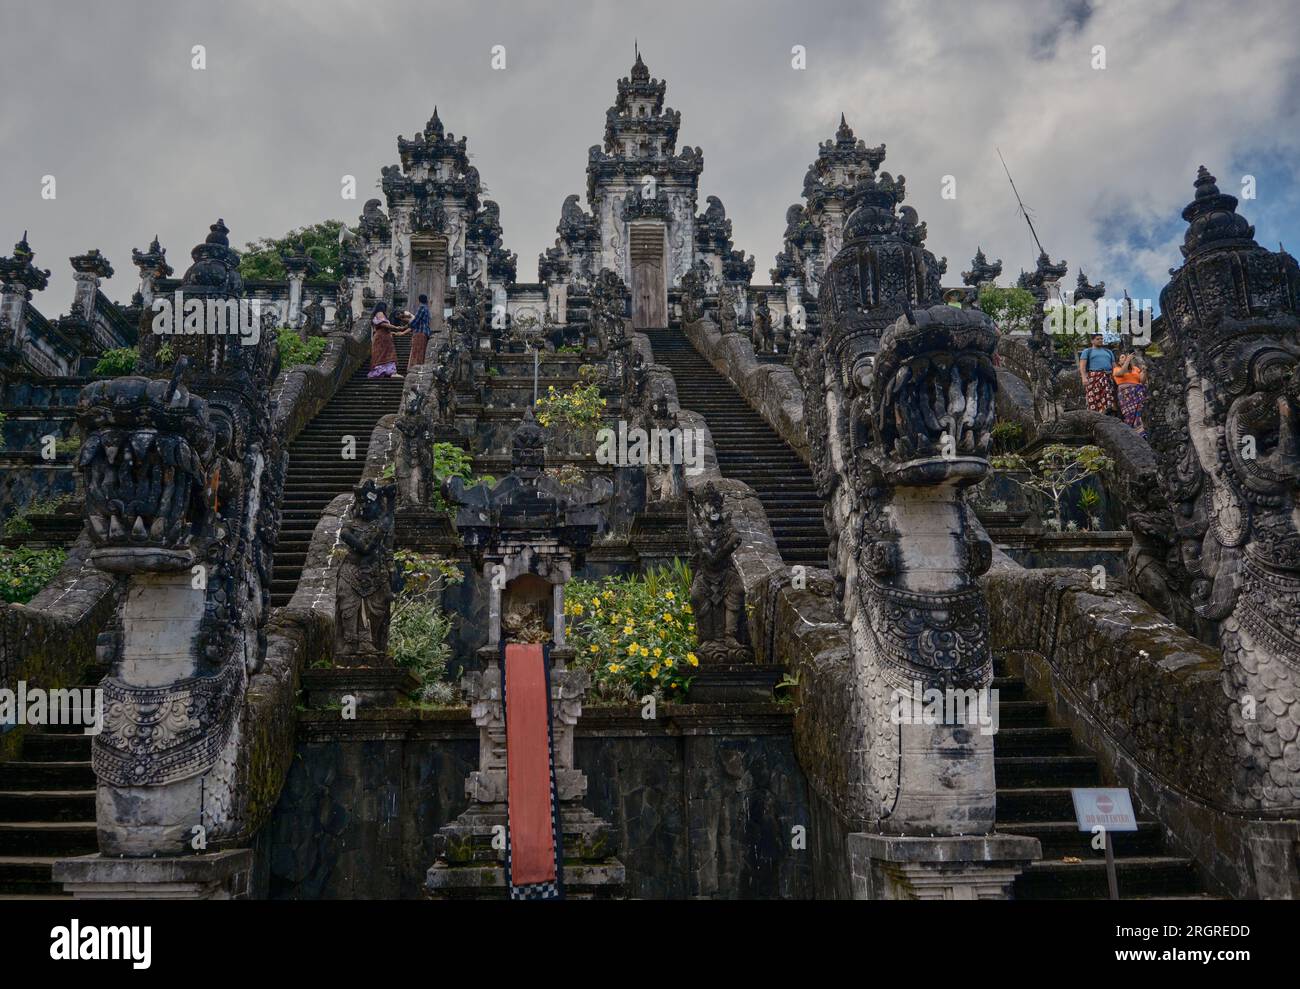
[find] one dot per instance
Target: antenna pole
(1023, 212)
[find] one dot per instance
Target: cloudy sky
(298, 93)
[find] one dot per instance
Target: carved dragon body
(1226, 413)
(899, 404)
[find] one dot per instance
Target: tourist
(1131, 377)
(1095, 365)
(420, 330)
(383, 355)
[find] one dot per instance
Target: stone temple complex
(652, 581)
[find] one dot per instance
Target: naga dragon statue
(183, 485)
(899, 403)
(1225, 426)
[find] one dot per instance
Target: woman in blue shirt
(1095, 366)
(420, 329)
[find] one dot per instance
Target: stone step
(1136, 876)
(1031, 741)
(1033, 803)
(47, 838)
(47, 805)
(28, 875)
(42, 746)
(1039, 771)
(23, 774)
(1062, 838)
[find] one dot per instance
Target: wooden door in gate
(649, 276)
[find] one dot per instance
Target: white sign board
(1111, 809)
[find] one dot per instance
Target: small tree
(1057, 468)
(1011, 309)
(261, 258)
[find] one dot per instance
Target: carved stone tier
(889, 867)
(219, 876)
(372, 687)
(734, 683)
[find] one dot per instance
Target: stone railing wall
(1148, 700)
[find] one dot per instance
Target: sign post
(1108, 810)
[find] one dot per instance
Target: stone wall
(1149, 701)
(704, 800)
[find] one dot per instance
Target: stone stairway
(317, 471)
(1036, 765)
(47, 810)
(749, 450)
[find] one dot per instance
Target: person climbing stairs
(1036, 765)
(318, 471)
(749, 450)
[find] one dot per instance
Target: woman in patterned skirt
(1095, 365)
(1131, 377)
(383, 355)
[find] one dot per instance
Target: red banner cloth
(528, 766)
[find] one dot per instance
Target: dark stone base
(734, 683)
(371, 686)
(480, 881)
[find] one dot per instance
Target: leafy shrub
(23, 572)
(419, 633)
(2, 430)
(20, 524)
(580, 407)
(635, 633)
(114, 363)
(294, 352)
(1008, 437)
(450, 461)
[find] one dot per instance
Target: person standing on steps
(1095, 366)
(1131, 377)
(383, 355)
(420, 329)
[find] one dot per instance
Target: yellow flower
(687, 609)
(659, 652)
(631, 650)
(595, 648)
(644, 651)
(577, 609)
(669, 618)
(614, 667)
(654, 673)
(690, 658)
(628, 629)
(671, 596)
(595, 602)
(668, 663)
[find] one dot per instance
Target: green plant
(2, 430)
(261, 258)
(113, 363)
(1011, 309)
(294, 351)
(568, 348)
(636, 634)
(23, 572)
(67, 445)
(419, 632)
(1007, 437)
(580, 406)
(1089, 502)
(164, 356)
(450, 461)
(1056, 469)
(20, 524)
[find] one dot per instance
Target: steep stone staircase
(749, 450)
(317, 471)
(47, 810)
(1036, 766)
